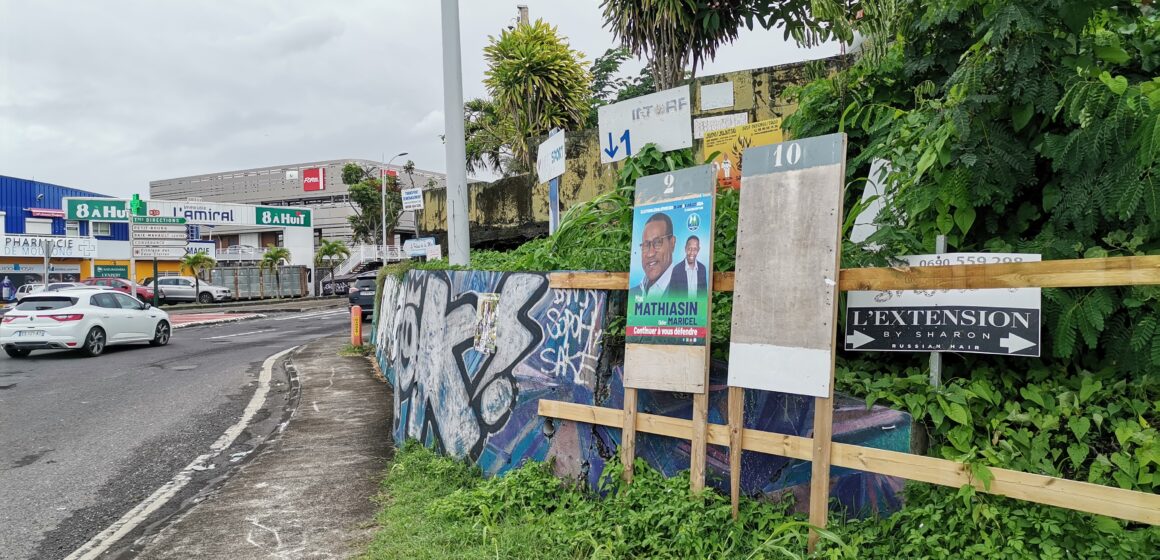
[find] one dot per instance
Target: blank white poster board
(785, 285)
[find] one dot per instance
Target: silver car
(174, 289)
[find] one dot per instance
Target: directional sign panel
(412, 199)
(157, 220)
(550, 158)
(160, 235)
(158, 252)
(137, 242)
(663, 118)
(159, 228)
(999, 321)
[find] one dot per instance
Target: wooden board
(682, 369)
(1140, 507)
(699, 448)
(628, 435)
(820, 466)
(1068, 273)
(736, 444)
(666, 357)
(786, 285)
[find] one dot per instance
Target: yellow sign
(730, 143)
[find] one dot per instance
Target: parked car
(144, 293)
(362, 293)
(187, 289)
(27, 289)
(58, 286)
(87, 320)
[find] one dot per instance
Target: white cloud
(430, 124)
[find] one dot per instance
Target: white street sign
(997, 321)
(158, 252)
(663, 118)
(159, 235)
(412, 199)
(550, 158)
(160, 228)
(159, 242)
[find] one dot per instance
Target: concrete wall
(517, 208)
(483, 406)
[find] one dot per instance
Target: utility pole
(458, 233)
(523, 8)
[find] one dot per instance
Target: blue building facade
(32, 216)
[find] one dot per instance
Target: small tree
(196, 264)
(327, 252)
(537, 81)
(275, 257)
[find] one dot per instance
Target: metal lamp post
(383, 204)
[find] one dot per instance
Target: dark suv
(362, 293)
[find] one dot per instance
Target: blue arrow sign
(612, 148)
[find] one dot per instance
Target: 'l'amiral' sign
(998, 321)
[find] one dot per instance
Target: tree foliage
(196, 264)
(537, 83)
(609, 87)
(365, 191)
(681, 35)
(1017, 125)
(489, 135)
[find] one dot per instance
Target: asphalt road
(83, 440)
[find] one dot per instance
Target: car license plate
(29, 333)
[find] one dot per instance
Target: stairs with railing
(362, 256)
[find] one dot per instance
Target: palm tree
(679, 35)
(196, 264)
(326, 253)
(272, 259)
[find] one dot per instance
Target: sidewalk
(308, 493)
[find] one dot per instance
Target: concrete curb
(219, 321)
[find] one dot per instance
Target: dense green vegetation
(435, 507)
(1012, 125)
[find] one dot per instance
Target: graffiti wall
(468, 400)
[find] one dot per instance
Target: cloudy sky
(109, 95)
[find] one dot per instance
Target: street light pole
(383, 203)
(458, 233)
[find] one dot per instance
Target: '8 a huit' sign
(314, 179)
(273, 216)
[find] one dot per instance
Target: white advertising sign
(716, 96)
(1002, 321)
(62, 247)
(39, 268)
(412, 199)
(550, 158)
(434, 252)
(662, 118)
(205, 247)
(719, 122)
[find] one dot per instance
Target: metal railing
(241, 253)
(362, 254)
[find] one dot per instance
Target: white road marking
(232, 335)
(131, 520)
(312, 315)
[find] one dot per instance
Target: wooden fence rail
(1083, 496)
(1075, 273)
(1070, 273)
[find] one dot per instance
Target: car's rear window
(365, 283)
(45, 303)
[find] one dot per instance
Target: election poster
(669, 276)
(485, 323)
(670, 281)
(730, 143)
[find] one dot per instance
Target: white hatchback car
(85, 319)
